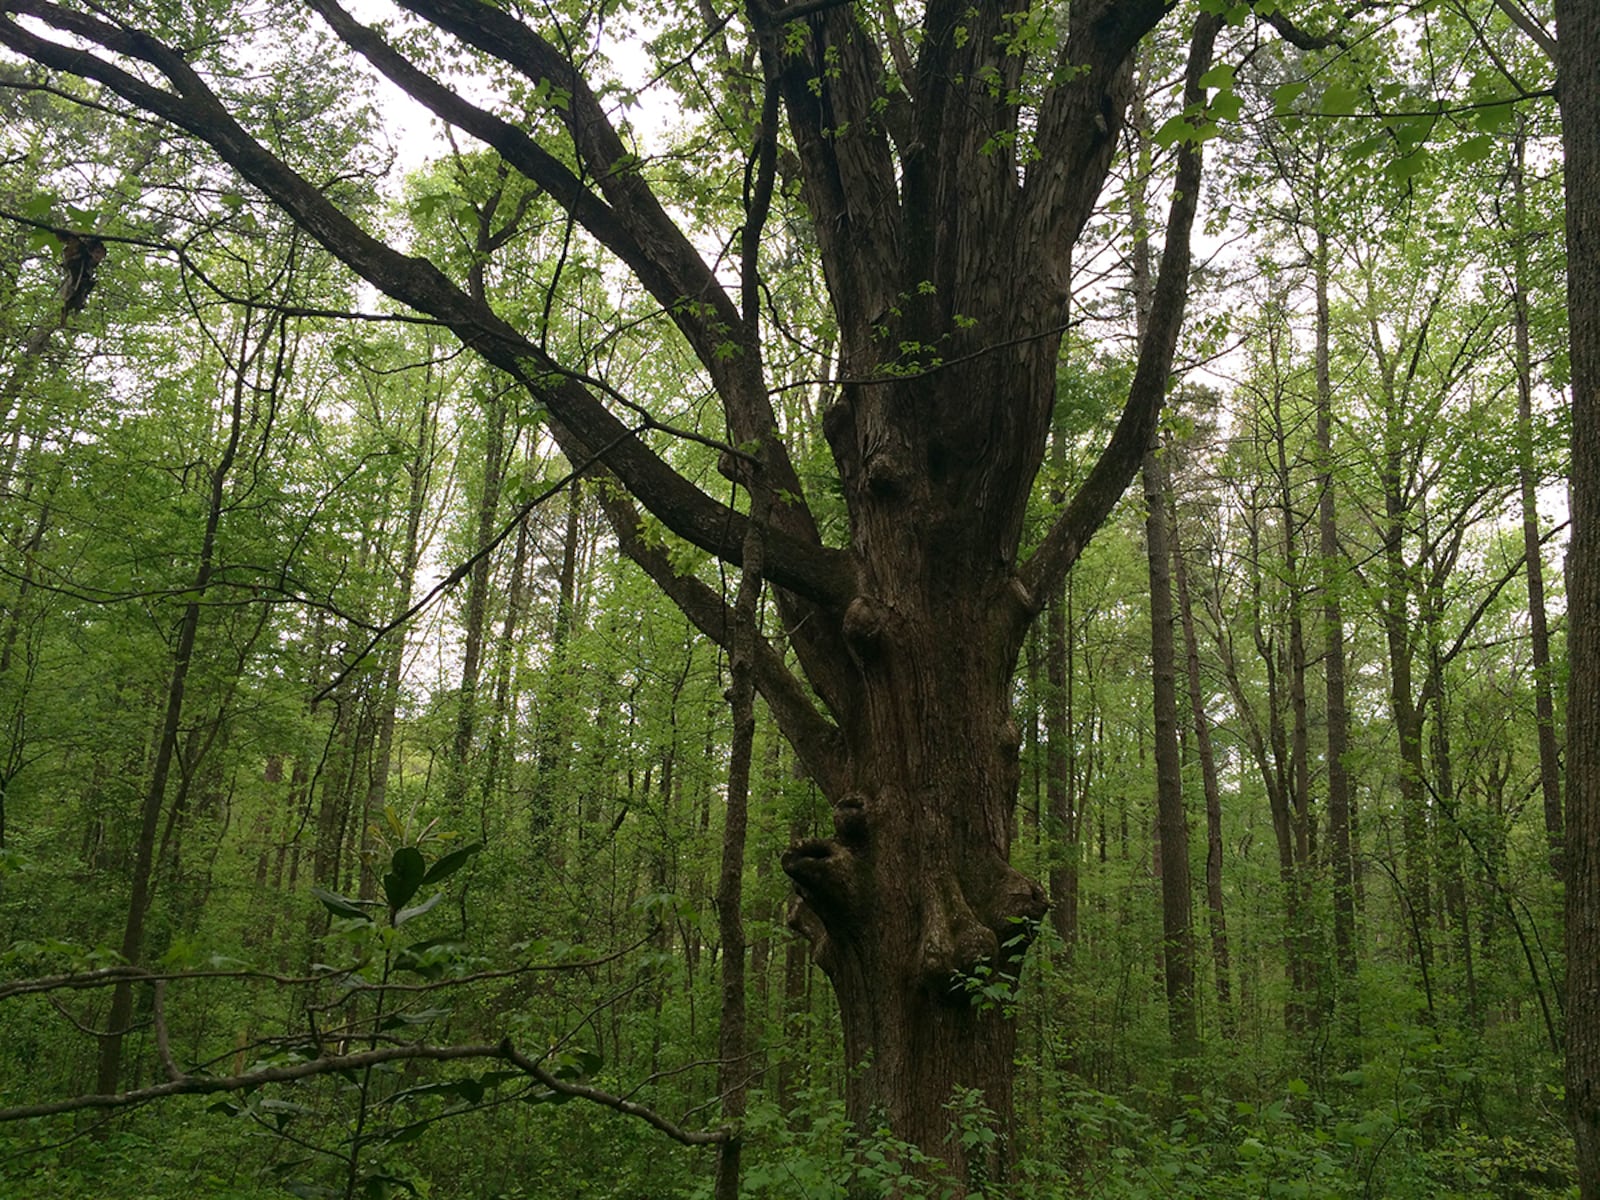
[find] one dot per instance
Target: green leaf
(449, 1087)
(1494, 117)
(1340, 100)
(405, 914)
(422, 1017)
(1174, 130)
(1474, 149)
(1225, 106)
(1284, 96)
(38, 208)
(1220, 76)
(407, 870)
(1412, 165)
(340, 906)
(576, 1063)
(451, 863)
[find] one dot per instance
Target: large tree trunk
(1578, 50)
(912, 908)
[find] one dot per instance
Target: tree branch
(584, 425)
(505, 1051)
(1524, 20)
(630, 221)
(815, 738)
(1109, 478)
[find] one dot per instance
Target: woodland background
(320, 669)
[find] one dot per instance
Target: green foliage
(330, 725)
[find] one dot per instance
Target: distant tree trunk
(1298, 775)
(15, 687)
(480, 579)
(1172, 829)
(796, 1014)
(394, 648)
(1062, 823)
(1578, 49)
(1269, 751)
(1528, 479)
(1405, 709)
(1177, 925)
(554, 732)
(1453, 886)
(506, 652)
(1408, 716)
(1340, 819)
(1221, 966)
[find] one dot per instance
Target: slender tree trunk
(1062, 823)
(1218, 923)
(1408, 715)
(1268, 750)
(394, 649)
(505, 658)
(1453, 884)
(1341, 857)
(1298, 775)
(1538, 630)
(479, 582)
(555, 715)
(1177, 924)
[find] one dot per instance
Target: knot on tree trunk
(824, 872)
(850, 821)
(865, 623)
(890, 467)
(955, 943)
(974, 931)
